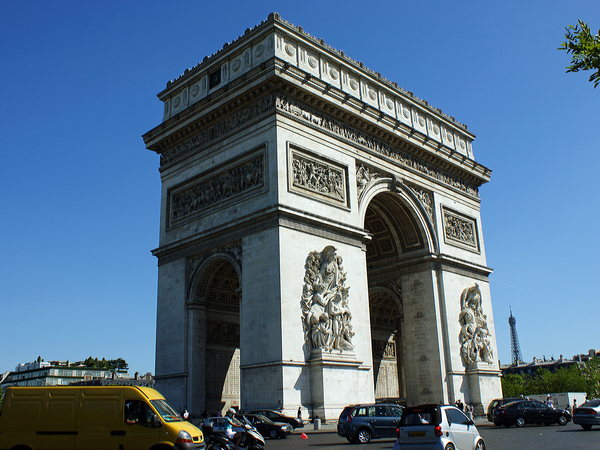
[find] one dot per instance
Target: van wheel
(449, 447)
(363, 436)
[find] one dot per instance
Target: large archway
(396, 236)
(218, 289)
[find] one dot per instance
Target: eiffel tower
(515, 349)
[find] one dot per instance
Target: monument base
(335, 368)
(483, 379)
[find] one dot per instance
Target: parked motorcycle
(251, 440)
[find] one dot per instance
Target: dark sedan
(267, 427)
(527, 411)
(587, 414)
(276, 416)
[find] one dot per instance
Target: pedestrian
(549, 402)
(281, 409)
(186, 415)
(574, 405)
(299, 413)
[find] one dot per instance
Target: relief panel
(317, 178)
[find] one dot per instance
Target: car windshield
(425, 415)
(166, 412)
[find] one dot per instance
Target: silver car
(443, 427)
(587, 414)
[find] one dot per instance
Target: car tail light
(438, 430)
(397, 433)
(590, 411)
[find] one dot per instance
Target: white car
(442, 427)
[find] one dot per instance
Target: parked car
(526, 411)
(587, 414)
(361, 423)
(496, 403)
(443, 427)
(267, 427)
(276, 416)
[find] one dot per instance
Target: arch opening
(218, 290)
(396, 235)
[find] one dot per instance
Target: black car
(267, 427)
(526, 411)
(361, 423)
(276, 416)
(496, 403)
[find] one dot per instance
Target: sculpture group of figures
(474, 334)
(326, 316)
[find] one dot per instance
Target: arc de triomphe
(320, 236)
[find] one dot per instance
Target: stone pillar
(196, 380)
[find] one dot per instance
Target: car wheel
(562, 420)
(586, 427)
(363, 436)
(273, 434)
(480, 445)
(449, 447)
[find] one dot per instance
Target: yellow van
(94, 417)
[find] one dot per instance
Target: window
(455, 416)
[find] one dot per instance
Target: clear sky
(81, 194)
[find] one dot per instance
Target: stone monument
(320, 237)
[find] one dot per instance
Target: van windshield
(166, 412)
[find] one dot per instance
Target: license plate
(416, 434)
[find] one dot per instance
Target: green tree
(584, 49)
(591, 374)
(513, 385)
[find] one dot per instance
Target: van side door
(137, 431)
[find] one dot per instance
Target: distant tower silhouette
(515, 349)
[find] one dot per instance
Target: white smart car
(442, 427)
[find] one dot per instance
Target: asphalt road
(551, 437)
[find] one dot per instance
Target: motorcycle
(251, 439)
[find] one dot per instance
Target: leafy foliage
(584, 49)
(116, 364)
(572, 379)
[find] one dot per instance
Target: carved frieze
(474, 334)
(216, 186)
(316, 177)
(230, 124)
(460, 230)
(426, 201)
(364, 175)
(327, 124)
(384, 349)
(326, 317)
(223, 333)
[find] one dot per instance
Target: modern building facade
(320, 236)
(55, 374)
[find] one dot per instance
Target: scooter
(251, 440)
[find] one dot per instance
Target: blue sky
(81, 194)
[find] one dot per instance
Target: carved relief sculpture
(325, 313)
(474, 334)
